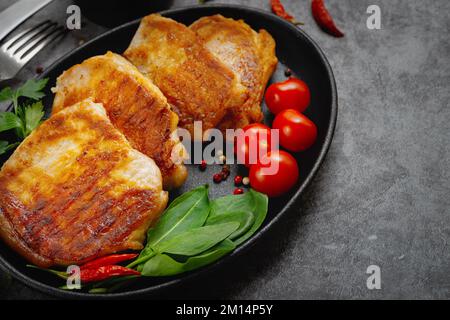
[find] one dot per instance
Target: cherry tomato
(278, 182)
(290, 94)
(252, 143)
(297, 132)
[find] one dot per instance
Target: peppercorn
(224, 175)
(202, 165)
(238, 191)
(237, 180)
(226, 168)
(225, 172)
(288, 72)
(217, 178)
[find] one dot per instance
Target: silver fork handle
(15, 14)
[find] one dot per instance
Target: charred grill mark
(114, 222)
(116, 218)
(12, 208)
(41, 220)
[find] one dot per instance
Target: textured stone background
(382, 196)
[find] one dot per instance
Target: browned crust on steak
(135, 106)
(84, 205)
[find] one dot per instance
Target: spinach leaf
(232, 203)
(180, 232)
(209, 256)
(197, 240)
(245, 219)
(164, 265)
(252, 200)
(188, 211)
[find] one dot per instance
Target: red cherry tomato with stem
(292, 93)
(281, 181)
(296, 131)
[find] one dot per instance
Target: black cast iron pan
(295, 50)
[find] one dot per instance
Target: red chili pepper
(108, 260)
(279, 10)
(105, 272)
(324, 19)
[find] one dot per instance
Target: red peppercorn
(217, 178)
(202, 165)
(238, 191)
(237, 180)
(226, 168)
(225, 171)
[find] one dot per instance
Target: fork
(17, 51)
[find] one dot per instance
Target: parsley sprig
(24, 118)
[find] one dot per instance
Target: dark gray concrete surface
(382, 195)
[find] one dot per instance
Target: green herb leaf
(163, 265)
(24, 119)
(252, 201)
(8, 120)
(245, 219)
(5, 146)
(197, 240)
(6, 94)
(33, 115)
(32, 89)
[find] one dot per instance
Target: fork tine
(27, 55)
(23, 37)
(21, 48)
(18, 36)
(35, 41)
